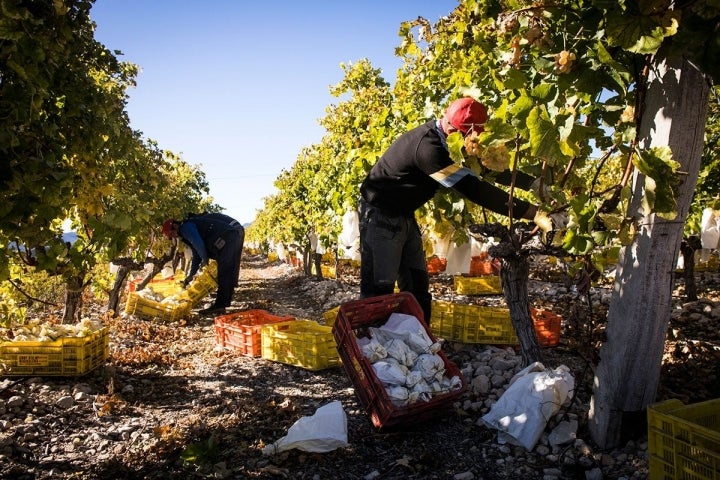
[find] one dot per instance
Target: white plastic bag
(710, 234)
(431, 367)
(535, 394)
(349, 239)
(390, 373)
(324, 431)
(399, 396)
(409, 329)
(400, 351)
(372, 349)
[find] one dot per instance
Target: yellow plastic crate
(200, 287)
(711, 265)
(684, 440)
(482, 285)
(66, 356)
(302, 343)
(328, 271)
(164, 286)
(472, 323)
(489, 325)
(330, 316)
(152, 310)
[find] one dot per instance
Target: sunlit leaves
(70, 151)
(544, 139)
(642, 30)
(660, 171)
(555, 121)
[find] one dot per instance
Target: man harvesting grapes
(216, 236)
(405, 177)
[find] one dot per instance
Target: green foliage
(70, 152)
(325, 179)
(560, 80)
(707, 192)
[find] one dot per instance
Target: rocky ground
(169, 403)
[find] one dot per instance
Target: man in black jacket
(216, 236)
(405, 177)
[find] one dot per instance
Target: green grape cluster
(496, 158)
(564, 61)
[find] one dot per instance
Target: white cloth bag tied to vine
(349, 239)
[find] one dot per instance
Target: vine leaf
(642, 32)
(658, 166)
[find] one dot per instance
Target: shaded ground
(169, 404)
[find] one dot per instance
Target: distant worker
(216, 236)
(405, 177)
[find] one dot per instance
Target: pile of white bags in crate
(406, 361)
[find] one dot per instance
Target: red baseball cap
(167, 227)
(466, 114)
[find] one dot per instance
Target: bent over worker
(405, 177)
(217, 236)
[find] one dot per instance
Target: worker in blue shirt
(217, 236)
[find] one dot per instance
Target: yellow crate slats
(302, 343)
(482, 285)
(330, 316)
(684, 440)
(488, 325)
(149, 309)
(66, 356)
(472, 323)
(204, 283)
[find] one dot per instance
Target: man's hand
(550, 221)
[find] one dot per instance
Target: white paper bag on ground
(535, 394)
(321, 432)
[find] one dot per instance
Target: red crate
(352, 322)
(242, 331)
(547, 326)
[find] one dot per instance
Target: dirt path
(170, 404)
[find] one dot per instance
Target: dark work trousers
(391, 250)
(228, 262)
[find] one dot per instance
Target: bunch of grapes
(472, 144)
(628, 114)
(496, 158)
(564, 61)
(516, 52)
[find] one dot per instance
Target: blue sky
(238, 87)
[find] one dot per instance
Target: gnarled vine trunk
(74, 287)
(114, 297)
(515, 273)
